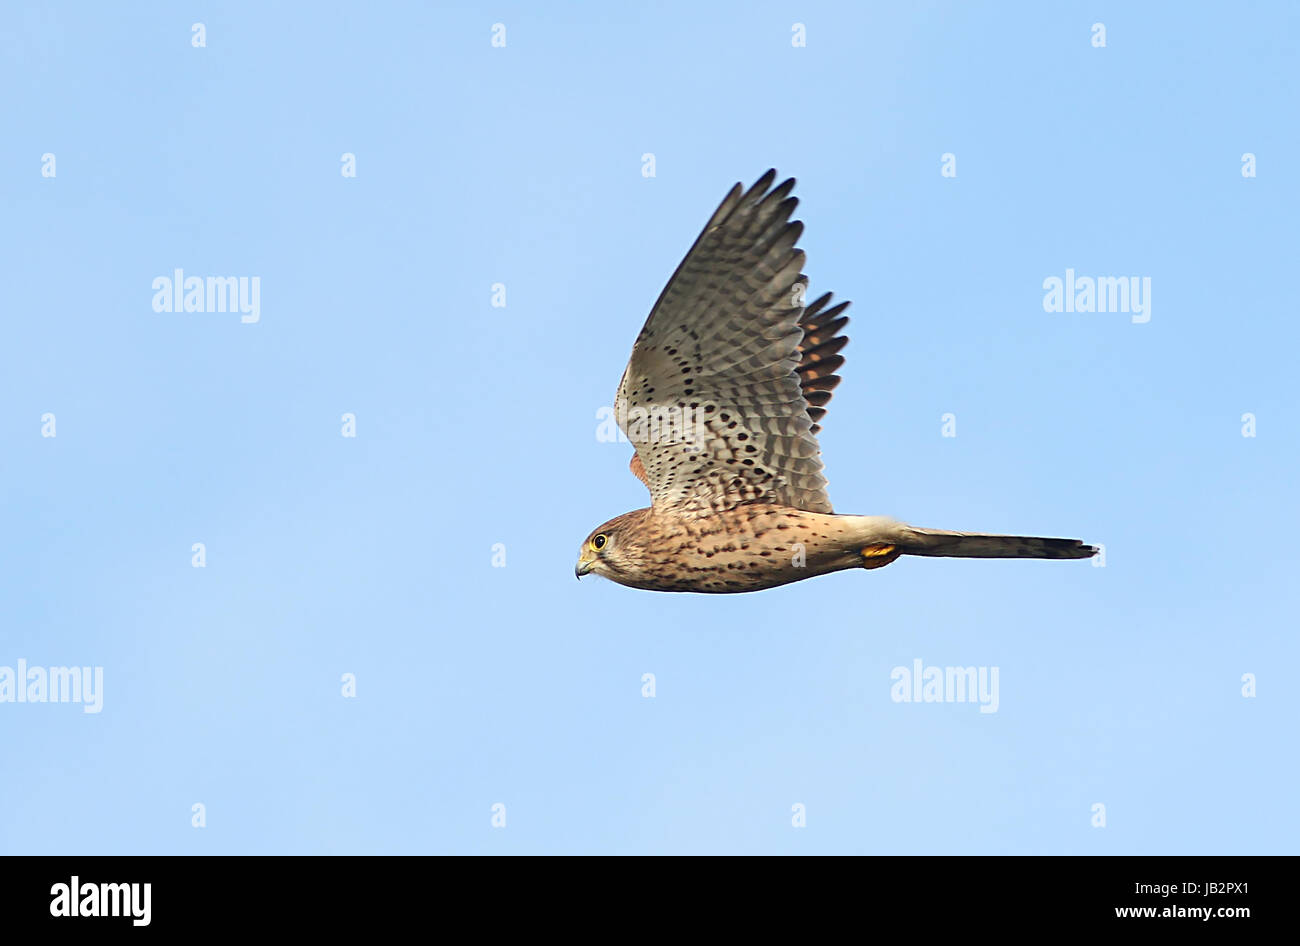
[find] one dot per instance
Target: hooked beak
(584, 566)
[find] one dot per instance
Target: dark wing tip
(763, 184)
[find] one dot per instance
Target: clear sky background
(476, 425)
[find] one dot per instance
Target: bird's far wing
(819, 355)
(716, 394)
(638, 469)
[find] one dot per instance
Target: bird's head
(614, 550)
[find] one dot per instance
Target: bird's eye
(598, 541)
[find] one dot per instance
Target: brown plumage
(722, 398)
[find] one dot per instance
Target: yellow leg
(878, 556)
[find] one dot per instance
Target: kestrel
(722, 399)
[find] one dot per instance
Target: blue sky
(476, 425)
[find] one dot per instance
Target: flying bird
(722, 400)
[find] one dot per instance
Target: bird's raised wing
(730, 371)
